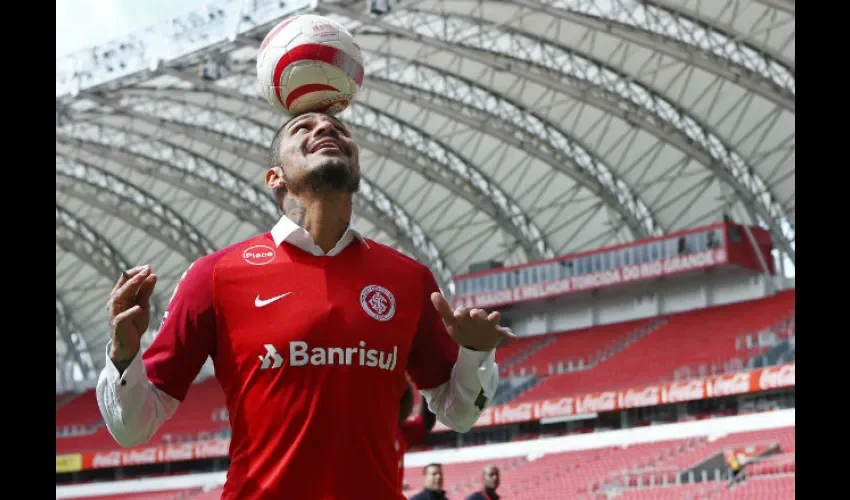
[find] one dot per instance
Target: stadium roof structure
(507, 130)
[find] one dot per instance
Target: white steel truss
(99, 188)
(71, 335)
(563, 69)
(385, 134)
(75, 236)
(373, 204)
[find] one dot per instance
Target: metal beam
(442, 92)
(787, 6)
(435, 160)
(696, 44)
(565, 155)
(420, 152)
(563, 70)
(178, 167)
(75, 236)
(218, 185)
(97, 187)
(74, 341)
(693, 15)
(375, 201)
(414, 148)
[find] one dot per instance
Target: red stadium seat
(648, 471)
(200, 416)
(690, 339)
(580, 346)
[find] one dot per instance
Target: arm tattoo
(294, 210)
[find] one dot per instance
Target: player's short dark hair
(433, 464)
(274, 159)
(274, 150)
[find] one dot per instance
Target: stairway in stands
(618, 346)
(590, 347)
(514, 353)
(579, 349)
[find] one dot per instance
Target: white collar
(290, 232)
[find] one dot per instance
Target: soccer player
(411, 432)
(311, 328)
(490, 480)
(433, 489)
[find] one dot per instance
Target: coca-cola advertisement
(765, 379)
(775, 377)
(213, 448)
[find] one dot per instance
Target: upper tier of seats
(576, 348)
(690, 339)
(202, 414)
(509, 354)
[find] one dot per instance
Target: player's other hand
(129, 310)
(472, 328)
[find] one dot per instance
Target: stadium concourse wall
(711, 429)
(639, 300)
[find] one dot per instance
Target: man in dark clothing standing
(433, 484)
(490, 481)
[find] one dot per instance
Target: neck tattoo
(294, 210)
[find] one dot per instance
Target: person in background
(490, 483)
(411, 432)
(433, 484)
(736, 468)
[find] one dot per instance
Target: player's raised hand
(472, 328)
(129, 309)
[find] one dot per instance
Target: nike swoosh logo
(263, 303)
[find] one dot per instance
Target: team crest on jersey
(378, 302)
(259, 255)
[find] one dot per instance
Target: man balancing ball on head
(311, 328)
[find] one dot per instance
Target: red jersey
(311, 352)
(410, 433)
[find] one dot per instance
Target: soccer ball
(309, 63)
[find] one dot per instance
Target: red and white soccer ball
(310, 63)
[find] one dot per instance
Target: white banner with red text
(765, 379)
(216, 448)
(592, 281)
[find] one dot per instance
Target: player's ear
(275, 182)
(274, 179)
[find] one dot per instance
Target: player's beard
(331, 175)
